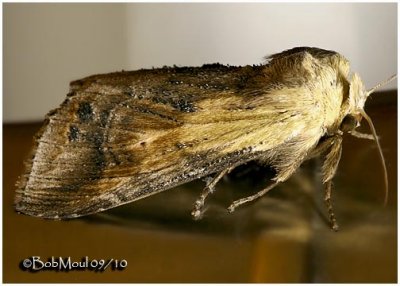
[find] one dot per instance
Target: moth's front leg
(329, 168)
(328, 202)
(362, 135)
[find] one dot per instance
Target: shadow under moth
(123, 136)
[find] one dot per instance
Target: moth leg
(361, 135)
(329, 170)
(334, 147)
(209, 189)
(245, 200)
(280, 177)
(329, 206)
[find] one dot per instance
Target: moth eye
(349, 123)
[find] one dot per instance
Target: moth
(124, 136)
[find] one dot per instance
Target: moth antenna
(371, 126)
(381, 84)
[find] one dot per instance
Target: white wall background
(45, 46)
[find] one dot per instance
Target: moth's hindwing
(123, 136)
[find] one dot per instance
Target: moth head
(357, 97)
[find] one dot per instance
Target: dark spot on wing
(184, 105)
(85, 112)
(104, 117)
(96, 139)
(73, 133)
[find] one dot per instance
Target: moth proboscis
(123, 136)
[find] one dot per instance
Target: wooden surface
(281, 238)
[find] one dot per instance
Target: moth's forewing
(116, 139)
(124, 136)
